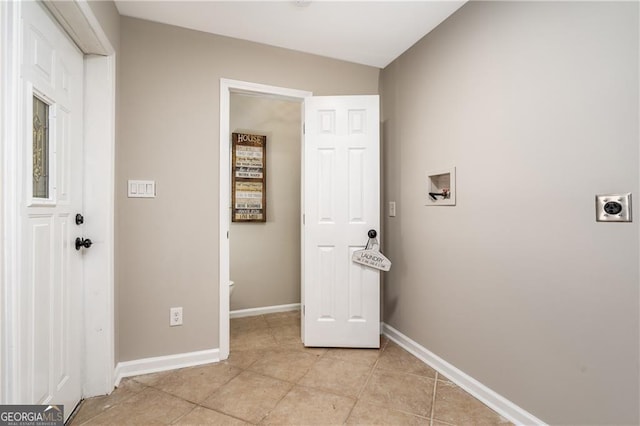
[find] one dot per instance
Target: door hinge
(303, 218)
(227, 235)
(303, 309)
(304, 128)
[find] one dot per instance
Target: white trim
(223, 217)
(226, 88)
(99, 200)
(495, 401)
(11, 171)
(251, 312)
(2, 89)
(79, 22)
(164, 363)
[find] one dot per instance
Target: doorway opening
(262, 92)
(265, 232)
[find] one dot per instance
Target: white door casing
(341, 204)
(50, 299)
(228, 86)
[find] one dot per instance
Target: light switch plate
(141, 189)
(613, 207)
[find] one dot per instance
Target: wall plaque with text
(248, 178)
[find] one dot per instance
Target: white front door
(50, 290)
(341, 299)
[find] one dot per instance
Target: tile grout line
(384, 347)
(293, 385)
(318, 358)
(192, 402)
(410, 413)
(223, 413)
(361, 390)
(176, 420)
(408, 373)
(242, 370)
(350, 411)
(433, 399)
(366, 382)
(200, 404)
(195, 404)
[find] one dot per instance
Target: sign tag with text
(371, 256)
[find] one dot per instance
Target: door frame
(99, 146)
(227, 87)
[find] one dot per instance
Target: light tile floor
(271, 378)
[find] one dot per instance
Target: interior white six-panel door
(341, 204)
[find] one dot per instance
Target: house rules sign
(248, 178)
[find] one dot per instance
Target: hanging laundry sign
(371, 255)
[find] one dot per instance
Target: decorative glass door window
(40, 148)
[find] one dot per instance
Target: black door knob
(81, 242)
(372, 233)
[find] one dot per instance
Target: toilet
(231, 286)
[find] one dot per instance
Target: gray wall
(265, 257)
(536, 104)
(167, 247)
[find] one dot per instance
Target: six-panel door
(341, 204)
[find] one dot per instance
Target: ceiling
(365, 32)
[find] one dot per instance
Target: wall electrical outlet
(175, 316)
(613, 207)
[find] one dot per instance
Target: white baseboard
(495, 401)
(164, 363)
(264, 310)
